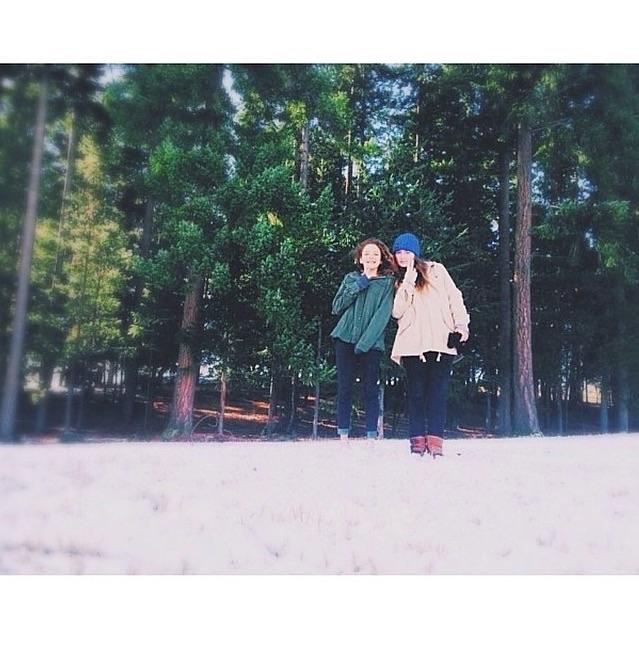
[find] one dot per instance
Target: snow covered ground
(514, 506)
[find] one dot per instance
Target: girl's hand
(464, 332)
(411, 273)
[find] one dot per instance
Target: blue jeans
(347, 362)
(426, 392)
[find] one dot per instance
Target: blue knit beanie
(407, 241)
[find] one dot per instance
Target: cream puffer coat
(427, 316)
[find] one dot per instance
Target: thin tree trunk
(149, 392)
(268, 427)
(349, 166)
(132, 364)
(220, 421)
(622, 394)
(559, 403)
(416, 149)
(604, 425)
(66, 189)
(575, 382)
(79, 424)
(292, 420)
(380, 419)
(316, 403)
(395, 416)
(488, 421)
(46, 379)
(68, 406)
(181, 420)
(16, 347)
(505, 303)
(526, 421)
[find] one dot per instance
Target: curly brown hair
(387, 265)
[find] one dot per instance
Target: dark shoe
(434, 445)
(418, 444)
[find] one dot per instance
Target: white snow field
(565, 505)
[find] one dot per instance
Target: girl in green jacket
(364, 302)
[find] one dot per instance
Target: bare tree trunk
(46, 379)
(148, 407)
(79, 424)
(16, 347)
(380, 419)
(526, 421)
(316, 403)
(604, 425)
(292, 420)
(66, 189)
(131, 367)
(268, 427)
(220, 421)
(505, 303)
(349, 166)
(181, 420)
(488, 421)
(560, 410)
(132, 364)
(621, 390)
(416, 149)
(68, 406)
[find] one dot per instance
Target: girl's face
(371, 257)
(404, 258)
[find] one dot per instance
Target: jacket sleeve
(455, 301)
(403, 299)
(378, 322)
(346, 294)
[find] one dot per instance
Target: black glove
(454, 341)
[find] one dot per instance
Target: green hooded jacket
(364, 311)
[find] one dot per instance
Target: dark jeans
(347, 362)
(426, 392)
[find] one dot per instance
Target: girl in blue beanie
(363, 303)
(432, 322)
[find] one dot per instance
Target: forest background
(171, 237)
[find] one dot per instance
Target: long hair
(422, 274)
(387, 264)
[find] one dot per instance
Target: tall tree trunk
(380, 419)
(46, 379)
(349, 166)
(604, 425)
(68, 405)
(488, 419)
(82, 398)
(268, 427)
(560, 410)
(316, 402)
(148, 406)
(181, 420)
(292, 419)
(505, 303)
(526, 421)
(220, 421)
(132, 363)
(416, 148)
(622, 394)
(575, 384)
(66, 189)
(16, 347)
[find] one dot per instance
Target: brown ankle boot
(434, 445)
(418, 444)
